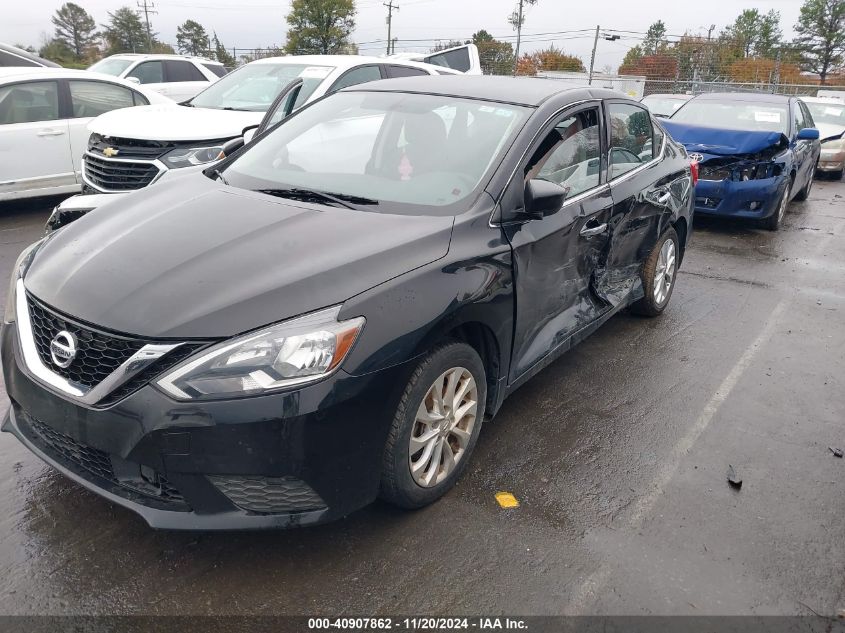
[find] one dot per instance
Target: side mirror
(133, 80)
(231, 146)
(808, 134)
(543, 198)
(249, 133)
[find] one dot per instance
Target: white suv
(176, 76)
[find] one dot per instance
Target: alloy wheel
(443, 426)
(664, 275)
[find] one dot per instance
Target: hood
(196, 259)
(826, 130)
(172, 122)
(722, 141)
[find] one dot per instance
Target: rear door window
(93, 98)
(181, 70)
(632, 138)
(404, 71)
(29, 102)
(359, 75)
(148, 72)
(217, 69)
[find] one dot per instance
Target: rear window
(179, 70)
(217, 69)
(7, 59)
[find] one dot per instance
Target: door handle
(589, 231)
(50, 132)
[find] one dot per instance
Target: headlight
(10, 314)
(188, 156)
(296, 352)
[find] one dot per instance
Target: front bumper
(754, 199)
(289, 459)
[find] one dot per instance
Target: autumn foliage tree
(548, 59)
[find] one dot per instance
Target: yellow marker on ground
(507, 500)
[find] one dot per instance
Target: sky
(568, 24)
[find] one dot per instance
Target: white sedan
(44, 114)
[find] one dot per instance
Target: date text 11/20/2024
(417, 624)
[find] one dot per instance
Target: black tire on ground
(836, 175)
(649, 305)
(773, 221)
(805, 192)
(397, 483)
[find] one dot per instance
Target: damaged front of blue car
(741, 173)
(756, 152)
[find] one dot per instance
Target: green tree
(221, 54)
(58, 51)
(125, 33)
(497, 57)
(76, 29)
(821, 36)
(442, 46)
(655, 39)
(191, 39)
(755, 34)
(320, 26)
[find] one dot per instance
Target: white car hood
(828, 129)
(172, 122)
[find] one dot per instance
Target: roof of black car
(758, 97)
(518, 90)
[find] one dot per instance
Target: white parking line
(598, 579)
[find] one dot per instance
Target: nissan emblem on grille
(63, 349)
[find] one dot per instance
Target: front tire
(435, 427)
(773, 221)
(658, 275)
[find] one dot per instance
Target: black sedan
(332, 312)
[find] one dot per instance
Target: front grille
(84, 459)
(268, 495)
(112, 175)
(98, 354)
(130, 147)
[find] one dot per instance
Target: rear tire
(837, 175)
(436, 426)
(772, 223)
(658, 275)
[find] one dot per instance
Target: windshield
(736, 115)
(111, 66)
(832, 113)
(663, 105)
(419, 154)
(254, 86)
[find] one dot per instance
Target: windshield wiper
(218, 175)
(308, 195)
(236, 109)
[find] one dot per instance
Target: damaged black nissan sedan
(330, 314)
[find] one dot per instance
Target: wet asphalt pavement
(618, 454)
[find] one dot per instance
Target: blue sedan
(756, 152)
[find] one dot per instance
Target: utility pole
(390, 9)
(518, 36)
(147, 6)
(593, 56)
